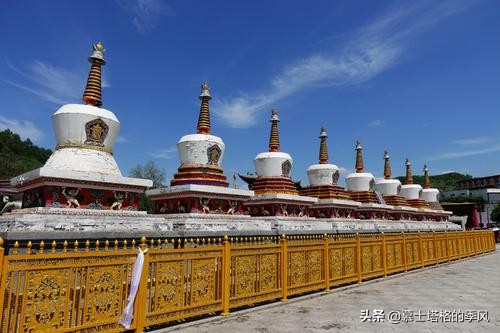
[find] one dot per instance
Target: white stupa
(430, 195)
(360, 183)
(83, 157)
(409, 190)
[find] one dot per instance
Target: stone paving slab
(470, 284)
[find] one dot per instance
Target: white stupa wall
(430, 194)
(411, 191)
(359, 181)
(269, 164)
(321, 174)
(69, 124)
(193, 149)
(388, 187)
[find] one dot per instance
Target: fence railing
(83, 287)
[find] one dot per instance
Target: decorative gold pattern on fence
(83, 287)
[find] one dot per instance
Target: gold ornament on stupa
(387, 166)
(359, 158)
(323, 150)
(204, 117)
(274, 137)
(93, 94)
(427, 181)
(409, 176)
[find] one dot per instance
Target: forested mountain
(444, 182)
(18, 156)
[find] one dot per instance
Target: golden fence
(83, 287)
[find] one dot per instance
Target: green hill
(18, 156)
(444, 182)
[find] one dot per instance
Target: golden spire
(323, 150)
(387, 166)
(409, 176)
(204, 117)
(427, 181)
(274, 138)
(359, 158)
(92, 94)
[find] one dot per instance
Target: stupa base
(333, 208)
(53, 188)
(418, 203)
(363, 196)
(200, 175)
(271, 185)
(279, 204)
(326, 192)
(373, 211)
(395, 200)
(194, 198)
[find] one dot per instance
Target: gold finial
(323, 150)
(427, 180)
(409, 176)
(92, 94)
(387, 166)
(204, 116)
(360, 168)
(274, 138)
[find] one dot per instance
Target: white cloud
(54, 84)
(448, 171)
(344, 171)
(121, 139)
(471, 141)
(466, 153)
(147, 14)
(25, 129)
(167, 153)
(375, 123)
(369, 51)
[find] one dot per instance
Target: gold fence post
(421, 246)
(447, 245)
(358, 257)
(465, 245)
(435, 246)
(3, 266)
(226, 275)
(474, 247)
(284, 269)
(326, 261)
(141, 297)
(405, 259)
(384, 254)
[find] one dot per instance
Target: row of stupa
(82, 173)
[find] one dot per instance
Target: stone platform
(66, 223)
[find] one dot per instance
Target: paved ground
(459, 286)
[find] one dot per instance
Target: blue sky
(420, 78)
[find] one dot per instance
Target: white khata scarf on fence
(128, 312)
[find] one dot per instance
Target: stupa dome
(86, 126)
(201, 149)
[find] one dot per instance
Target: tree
(18, 156)
(495, 213)
(149, 171)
